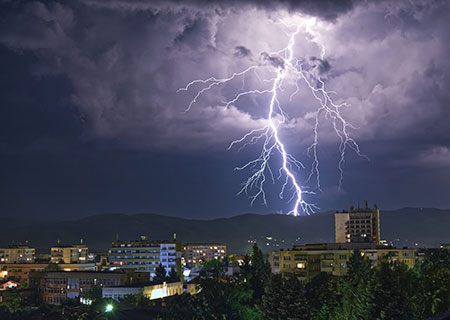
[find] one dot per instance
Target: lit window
(301, 265)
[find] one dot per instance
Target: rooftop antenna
(117, 237)
(81, 241)
(174, 236)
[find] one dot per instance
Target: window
(301, 265)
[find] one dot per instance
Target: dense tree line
(389, 291)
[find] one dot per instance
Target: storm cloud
(122, 63)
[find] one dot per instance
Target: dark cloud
(274, 61)
(325, 9)
(323, 65)
(101, 77)
(241, 51)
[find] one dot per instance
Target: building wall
(358, 225)
(17, 254)
(57, 286)
(163, 290)
(152, 292)
(139, 256)
(307, 262)
(145, 256)
(70, 254)
(117, 293)
(340, 222)
(21, 271)
(198, 253)
(168, 256)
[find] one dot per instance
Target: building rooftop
(340, 246)
(205, 244)
(16, 246)
(70, 246)
(143, 284)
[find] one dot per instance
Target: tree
(357, 290)
(95, 295)
(183, 307)
(272, 298)
(220, 297)
(160, 274)
(432, 287)
(142, 300)
(52, 267)
(322, 295)
(128, 301)
(391, 295)
(256, 272)
(285, 299)
(13, 301)
(173, 275)
(212, 269)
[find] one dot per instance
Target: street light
(109, 308)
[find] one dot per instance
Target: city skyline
(93, 123)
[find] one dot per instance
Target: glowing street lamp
(109, 308)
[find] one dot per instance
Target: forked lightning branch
(262, 169)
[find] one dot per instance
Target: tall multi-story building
(78, 253)
(359, 225)
(308, 261)
(197, 253)
(55, 287)
(17, 254)
(145, 256)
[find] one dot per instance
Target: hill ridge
(404, 227)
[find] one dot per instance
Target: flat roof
(205, 244)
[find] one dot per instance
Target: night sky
(91, 121)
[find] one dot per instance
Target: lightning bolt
(286, 64)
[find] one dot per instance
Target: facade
(308, 261)
(90, 266)
(69, 254)
(145, 256)
(358, 225)
(21, 271)
(17, 254)
(119, 292)
(150, 291)
(197, 253)
(55, 287)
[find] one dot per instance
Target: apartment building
(144, 255)
(359, 225)
(77, 253)
(17, 254)
(309, 260)
(197, 253)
